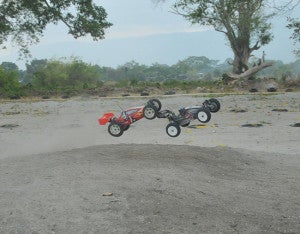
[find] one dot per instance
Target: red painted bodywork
(126, 118)
(105, 118)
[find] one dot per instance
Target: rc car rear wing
(106, 118)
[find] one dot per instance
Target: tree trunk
(240, 62)
(250, 72)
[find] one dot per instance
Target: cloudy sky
(147, 33)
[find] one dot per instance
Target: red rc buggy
(117, 125)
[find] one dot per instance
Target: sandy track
(53, 126)
(56, 163)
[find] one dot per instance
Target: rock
(280, 110)
(272, 89)
(170, 92)
(9, 126)
(200, 90)
(65, 96)
(252, 125)
(253, 90)
(144, 93)
(107, 194)
(238, 110)
(15, 97)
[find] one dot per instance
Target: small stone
(108, 194)
(280, 110)
(252, 125)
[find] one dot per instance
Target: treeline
(73, 76)
(48, 77)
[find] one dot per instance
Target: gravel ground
(60, 172)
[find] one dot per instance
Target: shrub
(9, 84)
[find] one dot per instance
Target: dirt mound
(152, 189)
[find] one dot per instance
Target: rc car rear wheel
(204, 115)
(173, 129)
(149, 112)
(214, 105)
(155, 102)
(115, 129)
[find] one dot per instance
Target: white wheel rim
(202, 116)
(172, 131)
(115, 129)
(149, 112)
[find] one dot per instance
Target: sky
(147, 33)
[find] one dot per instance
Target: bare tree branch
(250, 72)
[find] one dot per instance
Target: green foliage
(279, 70)
(171, 83)
(294, 24)
(72, 76)
(82, 75)
(123, 83)
(9, 84)
(32, 68)
(52, 77)
(190, 68)
(24, 21)
(243, 22)
(57, 76)
(9, 66)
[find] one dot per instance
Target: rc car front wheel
(214, 105)
(155, 102)
(149, 112)
(173, 129)
(204, 115)
(115, 129)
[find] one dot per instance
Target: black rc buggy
(188, 114)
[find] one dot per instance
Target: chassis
(117, 125)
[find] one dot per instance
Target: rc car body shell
(106, 118)
(127, 117)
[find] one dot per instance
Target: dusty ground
(56, 163)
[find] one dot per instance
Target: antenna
(117, 103)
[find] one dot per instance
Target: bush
(9, 84)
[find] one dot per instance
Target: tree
(34, 66)
(243, 22)
(294, 24)
(9, 66)
(61, 76)
(51, 77)
(202, 64)
(82, 75)
(24, 21)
